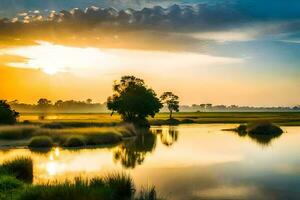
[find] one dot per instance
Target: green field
(281, 118)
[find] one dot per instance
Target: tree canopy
(7, 114)
(133, 100)
(171, 100)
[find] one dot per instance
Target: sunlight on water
(185, 162)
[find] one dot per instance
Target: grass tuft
(21, 168)
(121, 184)
(74, 141)
(41, 142)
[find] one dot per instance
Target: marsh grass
(121, 184)
(21, 168)
(111, 187)
(8, 183)
(46, 137)
(114, 186)
(17, 132)
(148, 193)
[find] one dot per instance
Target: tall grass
(148, 193)
(112, 187)
(21, 168)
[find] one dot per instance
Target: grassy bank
(37, 136)
(116, 186)
(104, 119)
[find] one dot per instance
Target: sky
(243, 52)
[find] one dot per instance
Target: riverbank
(105, 119)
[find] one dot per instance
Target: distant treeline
(235, 108)
(70, 106)
(88, 106)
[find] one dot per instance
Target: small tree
(172, 102)
(133, 100)
(7, 114)
(43, 104)
(89, 101)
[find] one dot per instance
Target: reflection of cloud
(227, 192)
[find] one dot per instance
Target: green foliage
(133, 100)
(7, 114)
(41, 142)
(172, 102)
(111, 187)
(21, 168)
(8, 183)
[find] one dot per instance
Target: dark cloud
(152, 25)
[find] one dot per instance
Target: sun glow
(51, 58)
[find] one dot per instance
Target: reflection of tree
(133, 152)
(264, 140)
(168, 136)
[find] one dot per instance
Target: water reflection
(168, 135)
(263, 140)
(202, 162)
(133, 152)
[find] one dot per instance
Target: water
(187, 162)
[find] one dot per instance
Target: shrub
(74, 141)
(264, 128)
(41, 142)
(21, 168)
(7, 114)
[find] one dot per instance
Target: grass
(8, 183)
(38, 137)
(17, 132)
(115, 186)
(20, 168)
(104, 119)
(148, 193)
(41, 142)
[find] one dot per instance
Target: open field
(280, 118)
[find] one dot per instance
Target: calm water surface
(186, 162)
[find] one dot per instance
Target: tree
(7, 114)
(44, 103)
(89, 101)
(133, 100)
(172, 102)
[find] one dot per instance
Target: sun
(50, 70)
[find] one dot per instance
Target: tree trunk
(170, 114)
